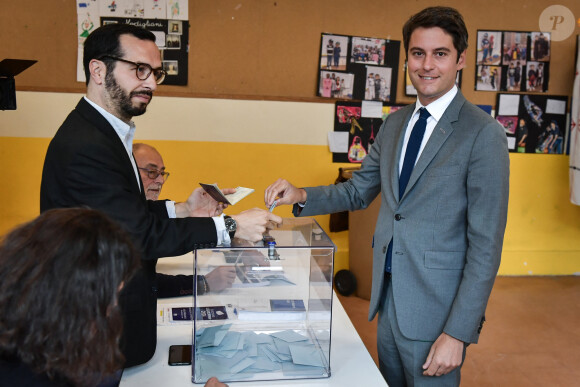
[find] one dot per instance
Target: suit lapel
(396, 151)
(441, 132)
(101, 123)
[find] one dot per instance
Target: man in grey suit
(441, 166)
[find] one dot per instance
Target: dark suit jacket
(87, 165)
(447, 228)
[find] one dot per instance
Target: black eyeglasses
(153, 173)
(142, 70)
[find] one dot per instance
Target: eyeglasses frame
(157, 172)
(137, 65)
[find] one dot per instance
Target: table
(350, 362)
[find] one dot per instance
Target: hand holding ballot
(253, 223)
(201, 204)
(283, 192)
(227, 196)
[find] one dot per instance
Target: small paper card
(231, 199)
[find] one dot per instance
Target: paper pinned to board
(338, 142)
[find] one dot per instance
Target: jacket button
(398, 217)
(384, 249)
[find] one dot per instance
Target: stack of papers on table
(239, 355)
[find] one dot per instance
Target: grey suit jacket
(448, 227)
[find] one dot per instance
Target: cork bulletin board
(263, 49)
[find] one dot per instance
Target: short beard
(119, 96)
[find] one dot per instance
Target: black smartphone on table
(179, 355)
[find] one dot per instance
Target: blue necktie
(413, 149)
(413, 146)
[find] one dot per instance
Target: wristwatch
(231, 225)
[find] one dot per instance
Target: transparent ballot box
(274, 322)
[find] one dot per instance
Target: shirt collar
(125, 131)
(438, 107)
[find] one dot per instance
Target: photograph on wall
(378, 83)
(488, 78)
(336, 85)
(360, 123)
(352, 60)
(513, 77)
(173, 46)
(171, 67)
(533, 123)
(172, 42)
(334, 52)
(509, 123)
(535, 76)
(524, 61)
(515, 46)
(540, 46)
(369, 51)
(175, 27)
(488, 47)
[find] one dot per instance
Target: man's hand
(445, 355)
(214, 382)
(253, 223)
(284, 192)
(221, 278)
(200, 204)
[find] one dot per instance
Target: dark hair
(60, 275)
(105, 41)
(446, 18)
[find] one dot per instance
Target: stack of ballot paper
(234, 355)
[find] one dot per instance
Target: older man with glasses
(89, 162)
(153, 174)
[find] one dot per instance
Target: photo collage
(533, 123)
(358, 68)
(360, 123)
(512, 61)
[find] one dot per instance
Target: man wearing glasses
(153, 174)
(89, 162)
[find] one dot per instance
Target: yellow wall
(228, 164)
(543, 232)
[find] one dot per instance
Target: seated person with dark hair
(153, 174)
(60, 277)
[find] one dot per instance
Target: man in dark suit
(89, 162)
(441, 166)
(153, 175)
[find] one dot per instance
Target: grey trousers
(401, 359)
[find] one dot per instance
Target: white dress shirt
(436, 109)
(126, 133)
